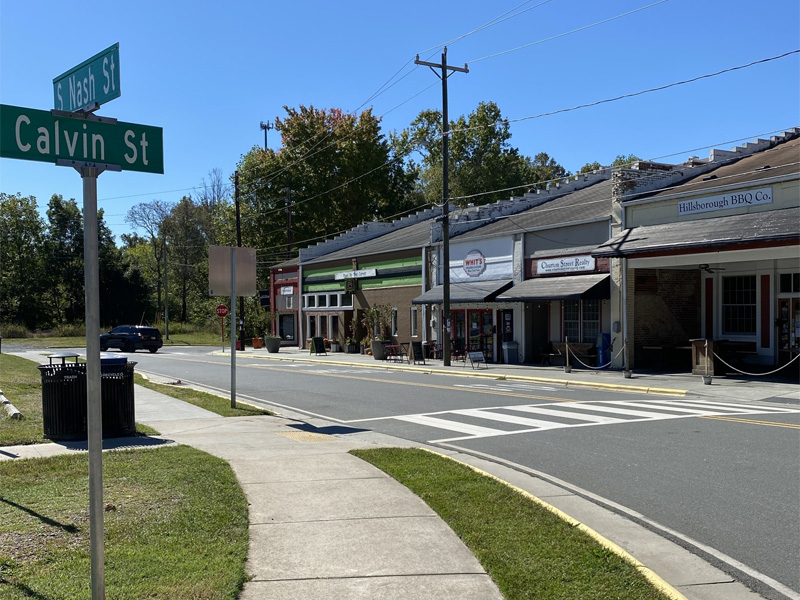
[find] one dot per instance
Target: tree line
(333, 171)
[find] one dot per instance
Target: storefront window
(414, 331)
(572, 322)
(739, 305)
(590, 314)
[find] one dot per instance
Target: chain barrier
(597, 368)
(781, 368)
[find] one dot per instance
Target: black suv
(130, 338)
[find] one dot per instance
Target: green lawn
(176, 527)
(20, 381)
(527, 550)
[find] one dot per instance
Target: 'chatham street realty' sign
(570, 264)
(723, 201)
(93, 82)
(31, 134)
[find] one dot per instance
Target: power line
(560, 35)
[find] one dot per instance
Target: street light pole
(445, 197)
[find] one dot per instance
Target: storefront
(480, 270)
(718, 258)
(284, 299)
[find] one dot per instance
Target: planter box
(378, 350)
(273, 344)
(257, 342)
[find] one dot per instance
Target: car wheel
(153, 350)
(130, 347)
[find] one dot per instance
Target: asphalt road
(721, 477)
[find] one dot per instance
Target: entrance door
(480, 332)
(788, 324)
(286, 327)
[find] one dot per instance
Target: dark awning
(573, 287)
(472, 291)
(766, 227)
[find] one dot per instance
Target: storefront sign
(356, 274)
(474, 263)
(571, 264)
(724, 201)
(287, 290)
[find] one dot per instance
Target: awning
(773, 227)
(460, 293)
(596, 286)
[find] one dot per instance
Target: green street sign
(90, 84)
(31, 134)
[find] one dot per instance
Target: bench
(556, 353)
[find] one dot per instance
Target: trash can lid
(63, 356)
(113, 359)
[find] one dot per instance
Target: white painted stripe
(699, 410)
(710, 404)
(483, 414)
(449, 425)
(614, 409)
(569, 415)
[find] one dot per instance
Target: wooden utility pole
(445, 196)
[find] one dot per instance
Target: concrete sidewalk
(323, 523)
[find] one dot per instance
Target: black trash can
(64, 411)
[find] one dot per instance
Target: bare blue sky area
(210, 72)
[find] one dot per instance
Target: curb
(482, 374)
(657, 581)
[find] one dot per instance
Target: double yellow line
(754, 422)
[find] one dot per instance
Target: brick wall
(666, 307)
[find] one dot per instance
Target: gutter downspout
(300, 318)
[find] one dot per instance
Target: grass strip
(21, 383)
(176, 526)
(527, 550)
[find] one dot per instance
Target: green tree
(341, 171)
(484, 167)
(150, 217)
(620, 161)
(22, 263)
(63, 250)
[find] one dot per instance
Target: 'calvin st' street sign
(92, 82)
(32, 134)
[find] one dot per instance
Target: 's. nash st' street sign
(30, 134)
(91, 83)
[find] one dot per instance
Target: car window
(119, 330)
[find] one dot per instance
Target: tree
(484, 167)
(63, 250)
(620, 161)
(22, 264)
(340, 169)
(150, 217)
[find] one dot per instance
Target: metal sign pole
(233, 327)
(93, 382)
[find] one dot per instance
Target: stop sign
(222, 311)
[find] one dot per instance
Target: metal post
(239, 245)
(93, 384)
(166, 293)
(233, 327)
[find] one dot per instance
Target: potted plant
(272, 343)
(335, 344)
(377, 319)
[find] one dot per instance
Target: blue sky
(210, 72)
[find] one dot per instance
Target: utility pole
(266, 127)
(288, 223)
(166, 294)
(445, 196)
(239, 245)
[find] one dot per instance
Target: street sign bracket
(86, 115)
(79, 164)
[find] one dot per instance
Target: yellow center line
(754, 422)
(374, 380)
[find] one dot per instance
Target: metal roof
(760, 227)
(470, 291)
(572, 287)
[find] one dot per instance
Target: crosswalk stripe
(474, 430)
(583, 412)
(483, 414)
(569, 415)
